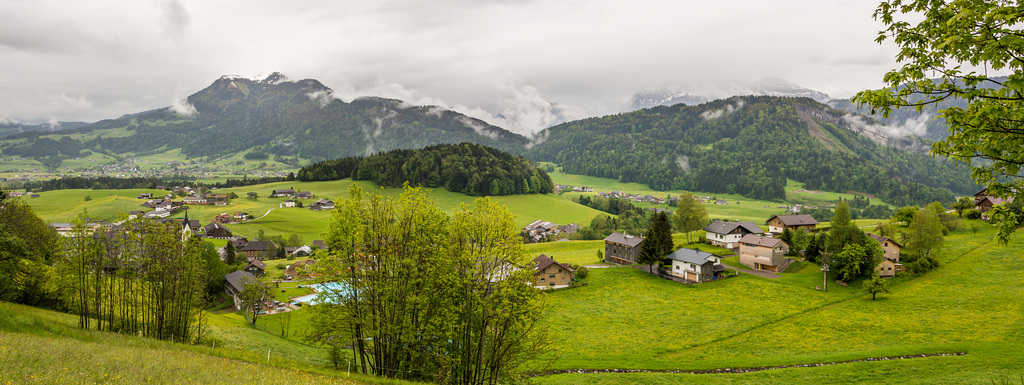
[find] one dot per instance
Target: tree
(905, 214)
(690, 215)
(657, 240)
(88, 198)
(843, 231)
(876, 285)
(252, 195)
(854, 261)
(925, 234)
(961, 204)
(957, 42)
(230, 255)
(232, 195)
(255, 293)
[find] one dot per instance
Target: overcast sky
(90, 60)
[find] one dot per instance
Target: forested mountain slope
(279, 117)
(750, 146)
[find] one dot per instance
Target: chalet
(234, 283)
(779, 223)
(988, 202)
(152, 203)
(980, 195)
(238, 241)
(728, 234)
(890, 264)
(216, 199)
(288, 203)
(318, 244)
(145, 196)
(301, 251)
(255, 267)
(160, 213)
(216, 230)
(568, 229)
(762, 253)
(322, 204)
(62, 228)
(622, 248)
(304, 195)
(241, 216)
(549, 274)
(255, 249)
(135, 214)
(538, 230)
(282, 193)
(695, 265)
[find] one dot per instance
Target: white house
(728, 234)
(694, 265)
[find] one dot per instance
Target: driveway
(759, 273)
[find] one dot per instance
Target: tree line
(468, 168)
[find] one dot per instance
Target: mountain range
(748, 145)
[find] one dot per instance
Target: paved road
(759, 273)
(261, 216)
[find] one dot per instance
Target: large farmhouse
(549, 274)
(779, 223)
(728, 234)
(762, 253)
(622, 248)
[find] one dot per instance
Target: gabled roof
(237, 279)
(723, 227)
(995, 201)
(624, 239)
(757, 240)
(257, 263)
(881, 239)
(795, 220)
(256, 246)
(691, 256)
(543, 261)
(318, 243)
(214, 226)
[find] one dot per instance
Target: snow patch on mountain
(698, 92)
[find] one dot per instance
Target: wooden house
(890, 264)
(234, 283)
(779, 223)
(622, 248)
(216, 230)
(255, 249)
(255, 267)
(282, 193)
(549, 274)
(728, 234)
(762, 253)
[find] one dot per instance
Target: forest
(748, 146)
(468, 168)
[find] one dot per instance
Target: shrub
(88, 198)
(582, 272)
(972, 214)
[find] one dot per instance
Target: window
(542, 279)
(677, 267)
(551, 276)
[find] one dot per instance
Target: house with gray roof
(762, 253)
(779, 223)
(728, 234)
(695, 265)
(623, 249)
(234, 283)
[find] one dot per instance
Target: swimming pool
(327, 289)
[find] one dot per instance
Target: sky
(522, 65)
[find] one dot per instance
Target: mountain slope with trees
(750, 146)
(275, 116)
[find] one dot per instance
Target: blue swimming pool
(326, 289)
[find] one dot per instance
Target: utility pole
(824, 269)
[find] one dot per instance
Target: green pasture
(813, 197)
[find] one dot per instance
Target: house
(779, 223)
(695, 265)
(728, 234)
(288, 203)
(216, 230)
(216, 199)
(301, 251)
(145, 196)
(890, 265)
(223, 218)
(762, 253)
(988, 202)
(322, 204)
(622, 248)
(255, 249)
(538, 230)
(304, 195)
(135, 214)
(318, 244)
(255, 267)
(241, 216)
(194, 201)
(62, 228)
(282, 193)
(238, 241)
(549, 274)
(234, 283)
(568, 229)
(980, 195)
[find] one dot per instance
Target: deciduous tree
(876, 285)
(690, 215)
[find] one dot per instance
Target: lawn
(971, 303)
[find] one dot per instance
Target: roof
(995, 201)
(257, 263)
(543, 261)
(256, 246)
(318, 243)
(723, 227)
(757, 240)
(795, 220)
(691, 256)
(236, 279)
(284, 191)
(881, 238)
(624, 239)
(214, 226)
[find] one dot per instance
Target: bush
(972, 214)
(582, 272)
(88, 198)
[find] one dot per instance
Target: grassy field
(45, 347)
(971, 303)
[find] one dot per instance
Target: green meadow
(625, 319)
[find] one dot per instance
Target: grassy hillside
(44, 347)
(625, 319)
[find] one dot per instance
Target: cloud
(183, 107)
(715, 114)
(914, 126)
(176, 18)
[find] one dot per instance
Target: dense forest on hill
(467, 168)
(748, 146)
(272, 116)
